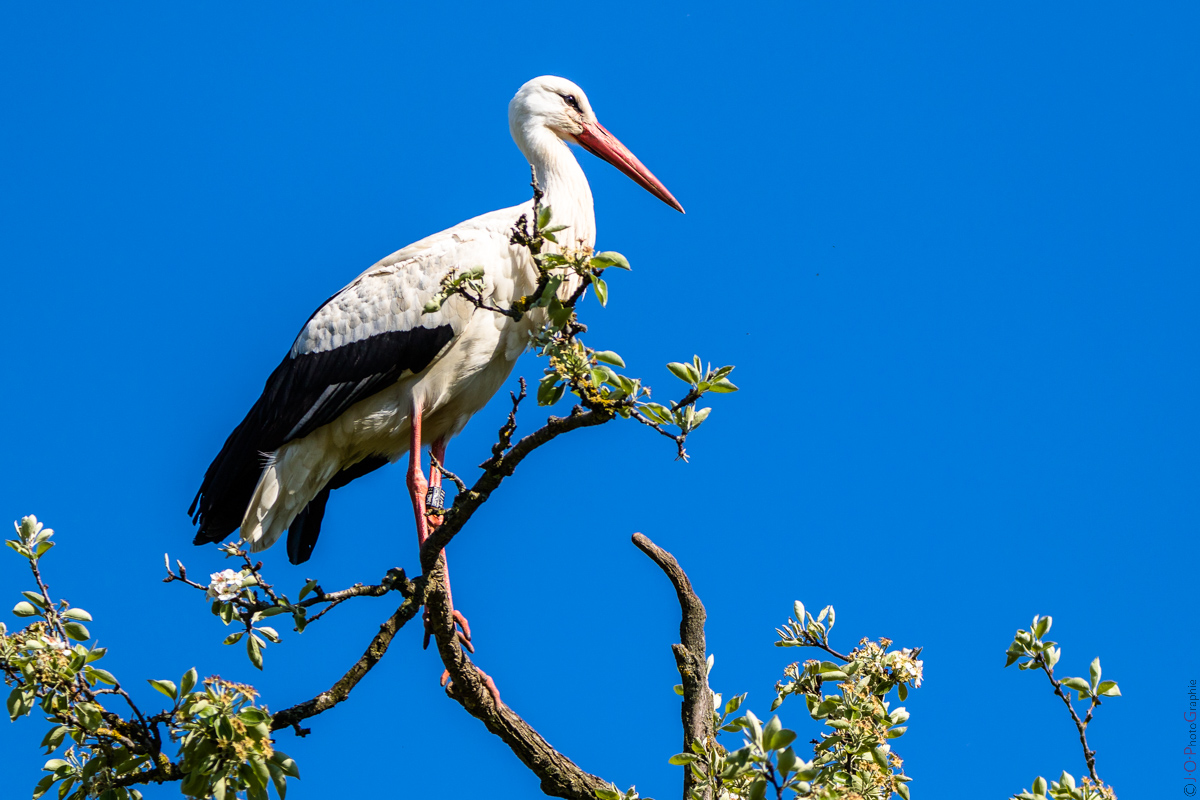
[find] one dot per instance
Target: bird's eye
(571, 101)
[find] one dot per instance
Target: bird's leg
(438, 453)
(436, 500)
(418, 488)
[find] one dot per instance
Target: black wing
(304, 392)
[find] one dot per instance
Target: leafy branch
(1040, 654)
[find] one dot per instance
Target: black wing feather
(303, 393)
(306, 527)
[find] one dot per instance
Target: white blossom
(224, 585)
(907, 669)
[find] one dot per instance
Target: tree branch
(495, 470)
(413, 592)
(1089, 755)
(472, 689)
(690, 656)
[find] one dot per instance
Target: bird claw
(487, 681)
(462, 630)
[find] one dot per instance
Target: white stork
(371, 376)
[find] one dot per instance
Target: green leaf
(166, 687)
(772, 728)
(309, 586)
(16, 703)
(24, 609)
(77, 613)
(608, 357)
(723, 386)
(285, 763)
(679, 759)
(279, 779)
(89, 715)
(43, 786)
(1095, 671)
(35, 598)
(269, 632)
(54, 737)
(102, 675)
(1043, 627)
(681, 371)
(188, 682)
(607, 794)
(601, 290)
(254, 650)
(76, 631)
(543, 217)
(1108, 689)
(1039, 785)
(609, 258)
(234, 638)
(1078, 684)
(253, 716)
(679, 689)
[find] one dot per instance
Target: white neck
(565, 186)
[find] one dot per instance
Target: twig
(255, 571)
(678, 439)
(51, 612)
(1089, 755)
(182, 576)
(458, 483)
(831, 651)
(413, 592)
(690, 656)
(504, 438)
(496, 469)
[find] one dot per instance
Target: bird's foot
(462, 629)
(487, 681)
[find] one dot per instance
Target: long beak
(599, 142)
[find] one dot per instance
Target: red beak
(599, 142)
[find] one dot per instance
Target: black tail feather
(306, 527)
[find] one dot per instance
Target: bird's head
(559, 106)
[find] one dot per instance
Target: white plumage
(369, 361)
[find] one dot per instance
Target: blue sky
(950, 248)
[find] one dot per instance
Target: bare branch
(413, 592)
(1089, 755)
(474, 691)
(504, 438)
(690, 656)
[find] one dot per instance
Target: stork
(371, 376)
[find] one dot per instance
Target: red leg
(418, 488)
(438, 453)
